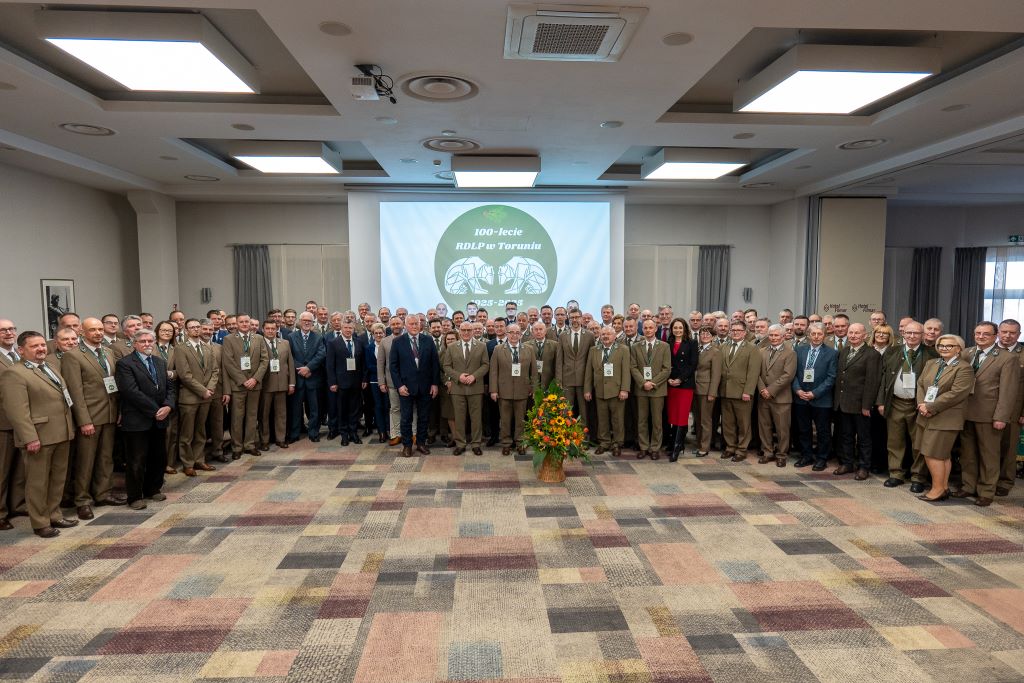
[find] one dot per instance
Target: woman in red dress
(681, 381)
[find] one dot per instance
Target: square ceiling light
(491, 171)
(682, 163)
(151, 51)
(834, 79)
(287, 157)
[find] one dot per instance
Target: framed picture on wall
(58, 299)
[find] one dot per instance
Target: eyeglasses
(947, 347)
(144, 341)
(7, 330)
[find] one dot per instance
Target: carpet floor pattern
(321, 563)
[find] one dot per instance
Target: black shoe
(315, 439)
(344, 439)
(802, 462)
(917, 487)
(366, 432)
(893, 482)
(334, 435)
(492, 442)
(819, 467)
(236, 456)
(355, 439)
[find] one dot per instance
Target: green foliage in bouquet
(551, 428)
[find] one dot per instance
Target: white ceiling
(550, 108)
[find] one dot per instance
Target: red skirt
(679, 401)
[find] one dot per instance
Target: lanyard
(942, 366)
(811, 357)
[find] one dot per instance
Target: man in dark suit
(416, 373)
(308, 354)
(857, 377)
(812, 396)
(346, 379)
(147, 399)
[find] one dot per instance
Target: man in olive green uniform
(245, 360)
(546, 351)
(651, 367)
(607, 382)
(512, 379)
(198, 377)
(466, 366)
(741, 367)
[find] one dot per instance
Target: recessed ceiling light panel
(151, 51)
(495, 171)
(680, 163)
(834, 79)
(287, 157)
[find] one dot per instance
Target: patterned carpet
(354, 565)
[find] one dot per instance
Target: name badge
(517, 369)
(67, 398)
(540, 367)
(275, 365)
(350, 364)
(609, 369)
(809, 375)
(931, 394)
(246, 362)
(907, 380)
(110, 385)
(648, 373)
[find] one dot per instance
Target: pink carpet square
(276, 663)
(402, 647)
(247, 492)
(32, 589)
(148, 577)
(949, 636)
(429, 523)
(181, 614)
(679, 564)
(443, 463)
(671, 659)
(850, 512)
(1005, 604)
(593, 575)
(622, 485)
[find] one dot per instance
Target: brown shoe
(170, 470)
(282, 444)
(655, 455)
(983, 502)
(64, 523)
(395, 441)
(726, 455)
(406, 451)
(842, 469)
(1002, 492)
(616, 451)
(781, 461)
(640, 455)
(112, 499)
(459, 450)
(739, 457)
(861, 475)
(420, 448)
(506, 451)
(5, 524)
(765, 459)
(477, 451)
(960, 493)
(46, 532)
(202, 466)
(85, 512)
(189, 472)
(599, 450)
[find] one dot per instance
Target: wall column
(851, 256)
(158, 252)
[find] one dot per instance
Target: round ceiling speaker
(439, 87)
(451, 145)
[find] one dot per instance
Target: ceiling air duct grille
(571, 33)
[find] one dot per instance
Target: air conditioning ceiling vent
(570, 33)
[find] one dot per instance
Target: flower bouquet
(554, 433)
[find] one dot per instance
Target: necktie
(101, 357)
(465, 350)
(732, 352)
(348, 344)
(152, 369)
(14, 356)
(607, 350)
(202, 360)
(515, 354)
(575, 342)
(811, 357)
(976, 363)
(245, 343)
(163, 351)
(650, 347)
(540, 351)
(771, 355)
(49, 374)
(273, 348)
(415, 346)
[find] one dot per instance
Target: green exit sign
(1016, 239)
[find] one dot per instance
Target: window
(1004, 283)
(310, 271)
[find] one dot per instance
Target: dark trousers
(304, 403)
(879, 439)
(421, 403)
(322, 400)
(332, 412)
(856, 440)
(348, 402)
(381, 407)
(809, 418)
(145, 460)
(370, 406)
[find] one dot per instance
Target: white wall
(206, 232)
(949, 227)
(55, 229)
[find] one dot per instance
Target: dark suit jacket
(857, 379)
(892, 365)
(824, 376)
(684, 363)
(370, 361)
(337, 357)
(404, 371)
(140, 398)
(311, 356)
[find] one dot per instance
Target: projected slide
(532, 253)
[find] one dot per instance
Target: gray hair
(143, 333)
(130, 316)
(205, 321)
(776, 328)
(816, 326)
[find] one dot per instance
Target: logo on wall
(493, 254)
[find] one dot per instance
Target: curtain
(968, 290)
(253, 290)
(924, 283)
(713, 278)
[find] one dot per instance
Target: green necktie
(103, 360)
(202, 360)
(245, 343)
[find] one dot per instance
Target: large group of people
(151, 396)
